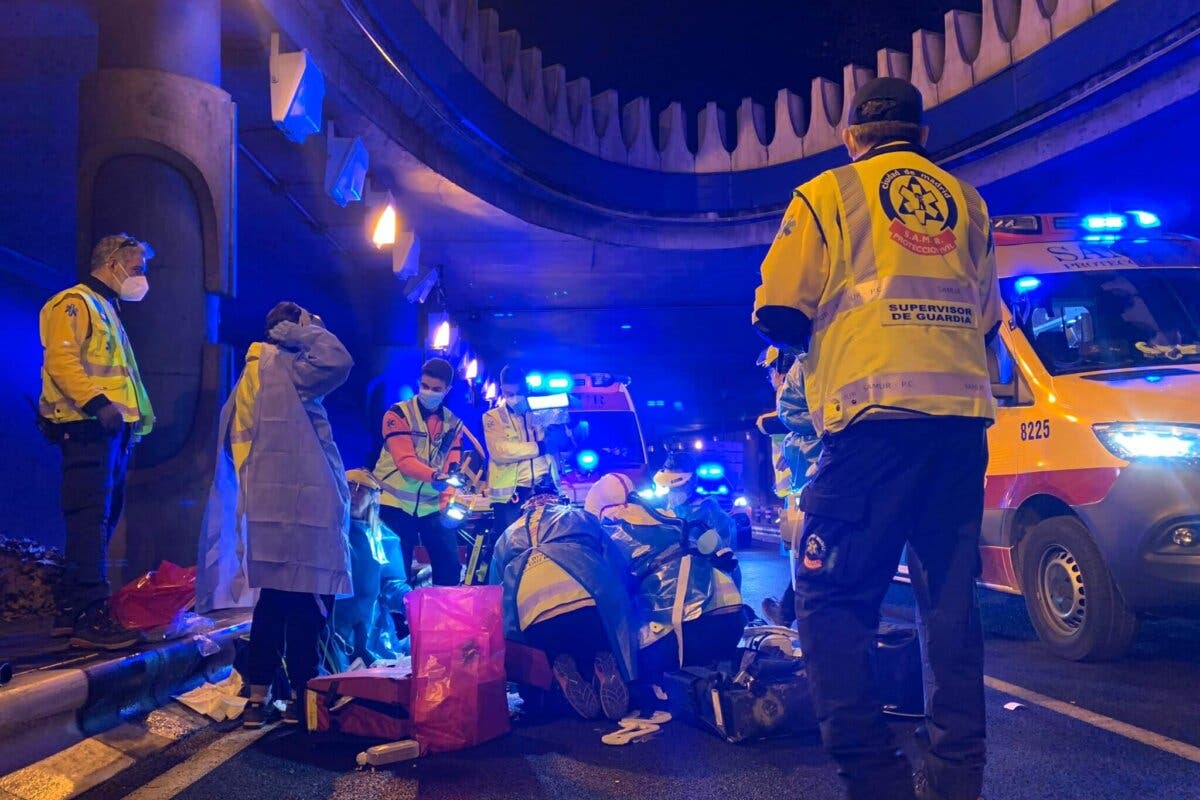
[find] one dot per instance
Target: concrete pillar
(157, 151)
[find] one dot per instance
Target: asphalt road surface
(1129, 729)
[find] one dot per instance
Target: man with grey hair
(94, 406)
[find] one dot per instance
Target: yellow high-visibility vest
(902, 297)
(400, 491)
(87, 354)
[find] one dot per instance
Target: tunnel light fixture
(472, 371)
(346, 163)
(489, 391)
(383, 232)
(297, 92)
(698, 444)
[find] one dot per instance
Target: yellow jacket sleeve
(794, 273)
(64, 338)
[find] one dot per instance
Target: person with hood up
(684, 577)
(563, 595)
(293, 503)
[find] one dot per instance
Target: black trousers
(94, 465)
(880, 484)
(440, 542)
(286, 629)
(706, 640)
(579, 634)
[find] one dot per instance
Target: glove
(556, 439)
(440, 481)
(111, 419)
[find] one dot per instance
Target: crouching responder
(356, 617)
(902, 400)
(422, 443)
(520, 456)
(678, 477)
(687, 601)
(563, 595)
(94, 406)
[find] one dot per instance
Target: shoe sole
(84, 644)
(253, 725)
(58, 633)
(581, 696)
(614, 694)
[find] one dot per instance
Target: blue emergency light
(587, 460)
(559, 382)
(1104, 222)
(1027, 284)
(535, 381)
(711, 472)
(1146, 219)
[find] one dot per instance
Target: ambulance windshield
(1105, 319)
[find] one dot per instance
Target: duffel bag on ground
(770, 700)
(371, 703)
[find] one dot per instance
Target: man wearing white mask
(422, 442)
(520, 455)
(94, 406)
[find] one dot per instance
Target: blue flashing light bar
(1105, 222)
(535, 381)
(559, 382)
(587, 460)
(1027, 284)
(712, 472)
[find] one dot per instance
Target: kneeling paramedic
(564, 595)
(883, 271)
(422, 443)
(687, 600)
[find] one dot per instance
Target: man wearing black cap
(883, 271)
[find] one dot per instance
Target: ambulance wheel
(1070, 596)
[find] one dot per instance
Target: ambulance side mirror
(1003, 374)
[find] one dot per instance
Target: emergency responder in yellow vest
(94, 406)
(422, 443)
(777, 362)
(883, 271)
(520, 455)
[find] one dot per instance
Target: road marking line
(201, 763)
(1150, 738)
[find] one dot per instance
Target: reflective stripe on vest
(877, 389)
(502, 478)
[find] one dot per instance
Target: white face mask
(676, 498)
(430, 399)
(133, 288)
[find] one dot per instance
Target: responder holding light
(422, 444)
(520, 455)
(95, 407)
(883, 271)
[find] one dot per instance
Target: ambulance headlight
(1135, 441)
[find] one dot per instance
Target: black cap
(905, 106)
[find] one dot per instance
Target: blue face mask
(431, 399)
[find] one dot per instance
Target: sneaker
(291, 713)
(580, 694)
(614, 694)
(773, 612)
(64, 623)
(98, 629)
(255, 714)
